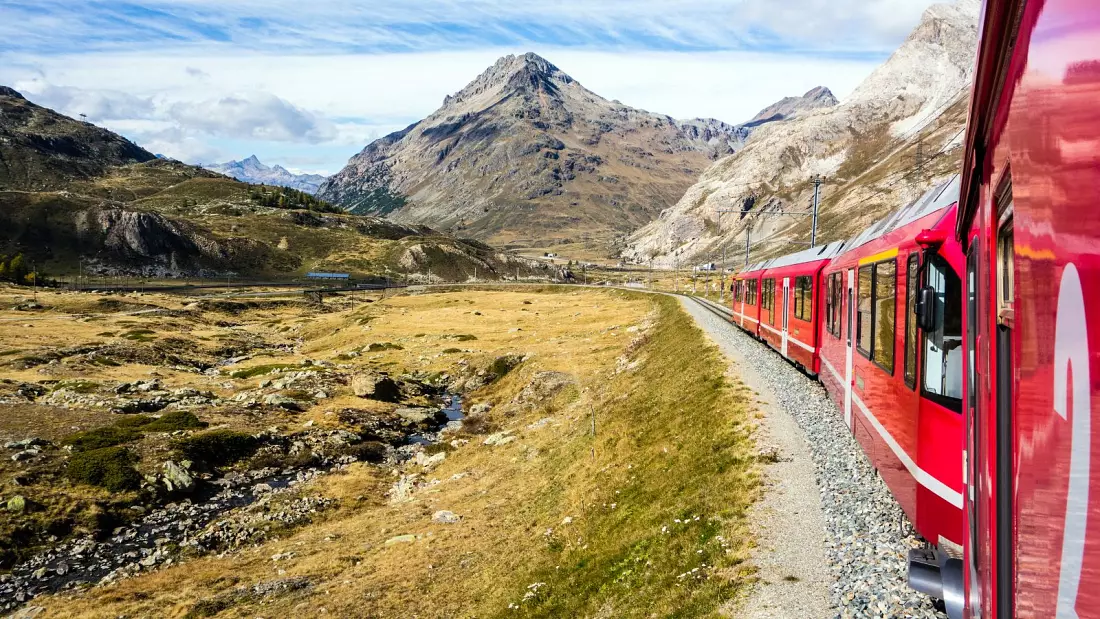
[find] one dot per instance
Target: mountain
(73, 195)
(896, 135)
(526, 155)
(789, 107)
(252, 171)
(41, 149)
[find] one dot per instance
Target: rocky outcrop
(526, 153)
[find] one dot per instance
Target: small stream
(154, 539)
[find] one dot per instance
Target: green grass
(99, 438)
(260, 370)
(140, 335)
(109, 467)
(216, 447)
(682, 432)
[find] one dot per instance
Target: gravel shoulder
(853, 547)
(788, 521)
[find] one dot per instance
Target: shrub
(448, 351)
(505, 364)
(134, 421)
(99, 438)
(370, 451)
(376, 347)
(464, 337)
(109, 467)
(175, 420)
(217, 447)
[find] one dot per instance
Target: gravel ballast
(867, 536)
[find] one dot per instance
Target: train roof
(939, 197)
(813, 254)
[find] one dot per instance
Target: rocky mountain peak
(526, 73)
(787, 107)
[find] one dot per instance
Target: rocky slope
(41, 149)
(73, 193)
(251, 170)
(525, 154)
(897, 134)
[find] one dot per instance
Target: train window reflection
(943, 352)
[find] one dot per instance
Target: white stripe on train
(923, 477)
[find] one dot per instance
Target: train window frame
(750, 292)
(836, 316)
(912, 284)
(946, 401)
(893, 314)
(804, 297)
(870, 275)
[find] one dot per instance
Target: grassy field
(645, 517)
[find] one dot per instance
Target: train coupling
(936, 574)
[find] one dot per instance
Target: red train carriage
(790, 308)
(900, 385)
(1029, 219)
(746, 299)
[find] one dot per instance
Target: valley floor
(605, 468)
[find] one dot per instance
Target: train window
(836, 289)
(911, 287)
(750, 293)
(803, 297)
(886, 276)
(863, 314)
(832, 298)
(943, 371)
(767, 296)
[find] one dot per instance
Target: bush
(109, 467)
(217, 447)
(505, 364)
(449, 351)
(175, 420)
(370, 451)
(99, 438)
(376, 347)
(134, 421)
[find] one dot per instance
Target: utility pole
(429, 275)
(918, 160)
(722, 288)
(34, 269)
(813, 228)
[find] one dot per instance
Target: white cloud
(258, 116)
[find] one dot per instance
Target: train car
(745, 303)
(1029, 222)
(791, 304)
(899, 386)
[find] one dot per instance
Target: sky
(307, 84)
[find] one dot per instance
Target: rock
(479, 409)
(401, 539)
(543, 386)
(26, 454)
(283, 402)
(376, 387)
(417, 415)
(29, 612)
(430, 462)
(321, 395)
(176, 478)
(17, 504)
(445, 517)
(498, 438)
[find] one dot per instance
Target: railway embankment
(826, 513)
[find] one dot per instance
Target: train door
(786, 297)
(851, 277)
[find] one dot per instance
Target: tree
(17, 269)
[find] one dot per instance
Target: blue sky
(308, 83)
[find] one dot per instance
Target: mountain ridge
(526, 155)
(252, 170)
(865, 147)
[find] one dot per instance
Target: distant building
(337, 276)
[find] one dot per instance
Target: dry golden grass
(646, 518)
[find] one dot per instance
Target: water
(453, 410)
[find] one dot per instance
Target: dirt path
(790, 530)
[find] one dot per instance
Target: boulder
(401, 539)
(418, 415)
(17, 504)
(477, 410)
(376, 387)
(283, 402)
(176, 478)
(446, 517)
(498, 438)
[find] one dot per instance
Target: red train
(961, 340)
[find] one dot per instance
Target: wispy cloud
(315, 81)
(331, 26)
